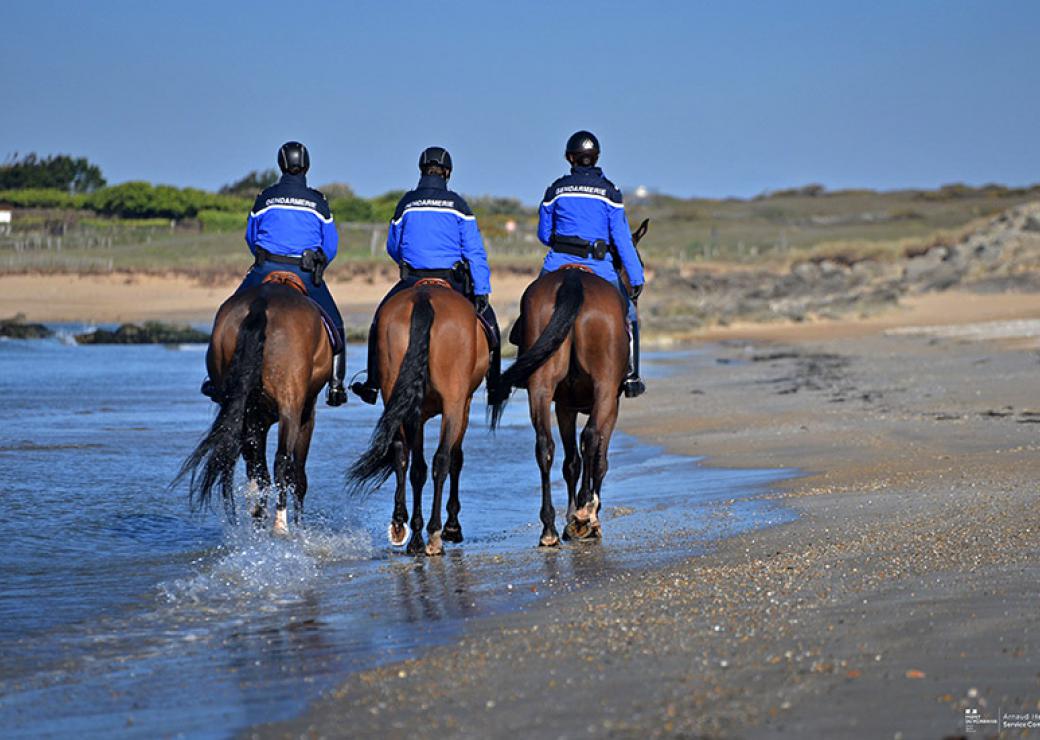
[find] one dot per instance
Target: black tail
(377, 463)
(215, 458)
(569, 299)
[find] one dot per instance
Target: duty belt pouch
(460, 271)
(313, 262)
(599, 249)
(260, 257)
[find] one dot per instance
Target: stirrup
(365, 392)
(633, 387)
(335, 396)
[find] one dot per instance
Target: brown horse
(574, 351)
(433, 354)
(269, 356)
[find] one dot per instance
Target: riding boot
(369, 390)
(633, 385)
(336, 395)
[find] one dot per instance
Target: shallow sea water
(123, 612)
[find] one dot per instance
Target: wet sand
(904, 594)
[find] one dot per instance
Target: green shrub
(222, 221)
(352, 209)
(41, 198)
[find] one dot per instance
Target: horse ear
(641, 231)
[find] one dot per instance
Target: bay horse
(269, 357)
(574, 352)
(432, 354)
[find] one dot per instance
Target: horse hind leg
(300, 451)
(416, 546)
(285, 472)
(453, 429)
(595, 442)
(452, 531)
(398, 531)
(254, 451)
(544, 450)
(567, 422)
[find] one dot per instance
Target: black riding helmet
(293, 158)
(582, 148)
(435, 155)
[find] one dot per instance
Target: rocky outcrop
(152, 332)
(1003, 255)
(16, 327)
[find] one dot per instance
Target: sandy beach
(125, 297)
(903, 594)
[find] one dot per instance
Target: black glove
(480, 302)
(636, 291)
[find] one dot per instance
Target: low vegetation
(140, 226)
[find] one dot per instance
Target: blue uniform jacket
(289, 217)
(586, 205)
(433, 228)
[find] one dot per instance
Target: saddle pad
(577, 266)
(439, 282)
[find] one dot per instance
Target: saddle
(288, 279)
(292, 280)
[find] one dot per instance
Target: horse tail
(569, 298)
(214, 460)
(404, 407)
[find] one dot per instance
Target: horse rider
(290, 228)
(434, 234)
(582, 220)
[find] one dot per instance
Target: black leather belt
(409, 271)
(282, 259)
(578, 247)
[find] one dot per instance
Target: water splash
(254, 564)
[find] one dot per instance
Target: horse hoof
(549, 540)
(416, 546)
(452, 533)
(397, 533)
(435, 546)
(281, 524)
(576, 530)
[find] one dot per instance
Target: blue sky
(691, 98)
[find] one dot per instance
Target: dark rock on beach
(152, 332)
(17, 328)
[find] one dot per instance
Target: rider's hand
(480, 302)
(636, 290)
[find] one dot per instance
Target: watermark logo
(975, 721)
